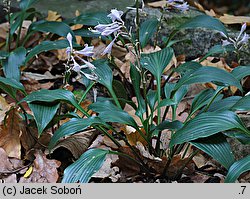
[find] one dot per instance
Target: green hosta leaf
(25, 4)
(4, 55)
(202, 99)
(241, 71)
(156, 62)
(50, 96)
(108, 112)
(224, 104)
(43, 114)
(207, 124)
(16, 59)
(152, 98)
(241, 137)
(88, 164)
(47, 46)
(17, 19)
(242, 105)
(237, 169)
(205, 21)
(217, 147)
(10, 86)
(93, 19)
(71, 127)
(175, 125)
(167, 102)
(104, 73)
(136, 82)
(87, 33)
(217, 50)
(120, 92)
(147, 29)
(188, 67)
(209, 74)
(55, 27)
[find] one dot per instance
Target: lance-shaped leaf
(209, 74)
(43, 114)
(25, 4)
(218, 49)
(242, 105)
(108, 112)
(47, 46)
(202, 99)
(237, 169)
(223, 104)
(207, 124)
(104, 73)
(147, 30)
(16, 59)
(53, 96)
(156, 62)
(187, 67)
(175, 125)
(93, 19)
(11, 86)
(205, 21)
(241, 71)
(217, 147)
(55, 27)
(71, 127)
(82, 169)
(136, 81)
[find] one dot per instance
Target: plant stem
(86, 91)
(219, 89)
(112, 93)
(19, 31)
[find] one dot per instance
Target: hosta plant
(211, 119)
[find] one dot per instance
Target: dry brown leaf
(109, 143)
(29, 140)
(44, 170)
(53, 16)
(158, 4)
(107, 170)
(199, 160)
(77, 144)
(231, 19)
(211, 13)
(199, 6)
(10, 134)
(4, 27)
(4, 106)
(220, 64)
(6, 166)
(127, 167)
(134, 136)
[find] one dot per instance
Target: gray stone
(194, 42)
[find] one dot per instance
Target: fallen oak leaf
(10, 134)
(231, 19)
(44, 170)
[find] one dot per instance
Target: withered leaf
(77, 144)
(10, 134)
(44, 170)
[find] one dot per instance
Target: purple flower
(182, 7)
(115, 15)
(108, 49)
(69, 38)
(237, 42)
(108, 29)
(87, 51)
